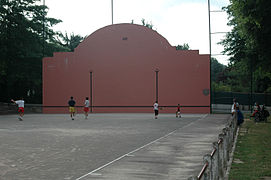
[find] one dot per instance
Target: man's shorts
(86, 109)
(72, 109)
(21, 109)
(156, 112)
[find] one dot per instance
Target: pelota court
(106, 146)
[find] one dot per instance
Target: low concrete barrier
(7, 108)
(10, 108)
(216, 164)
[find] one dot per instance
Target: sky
(179, 21)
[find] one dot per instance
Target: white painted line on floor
(96, 174)
(130, 153)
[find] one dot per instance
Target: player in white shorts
(20, 104)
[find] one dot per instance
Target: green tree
(249, 42)
(237, 76)
(147, 24)
(220, 87)
(185, 46)
(70, 41)
(26, 36)
(217, 70)
(219, 76)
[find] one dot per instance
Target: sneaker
(72, 118)
(20, 118)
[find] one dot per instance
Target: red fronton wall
(120, 60)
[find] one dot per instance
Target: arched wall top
(123, 31)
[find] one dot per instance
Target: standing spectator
(256, 109)
(234, 106)
(240, 116)
(86, 107)
(20, 104)
(155, 108)
(265, 113)
(72, 107)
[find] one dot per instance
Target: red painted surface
(123, 59)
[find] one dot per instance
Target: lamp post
(43, 33)
(91, 90)
(251, 88)
(210, 51)
(112, 10)
(156, 84)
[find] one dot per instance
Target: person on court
(233, 107)
(155, 108)
(72, 107)
(20, 104)
(86, 108)
(178, 112)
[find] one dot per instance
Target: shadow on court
(106, 146)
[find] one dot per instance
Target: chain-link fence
(242, 98)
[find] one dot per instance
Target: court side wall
(116, 67)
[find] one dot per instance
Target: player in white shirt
(20, 104)
(234, 106)
(86, 107)
(155, 108)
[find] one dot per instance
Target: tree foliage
(147, 24)
(26, 35)
(217, 70)
(185, 46)
(249, 42)
(219, 76)
(70, 41)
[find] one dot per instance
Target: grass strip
(252, 156)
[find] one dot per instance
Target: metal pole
(251, 87)
(91, 101)
(210, 50)
(112, 10)
(43, 45)
(156, 84)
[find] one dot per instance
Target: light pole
(91, 90)
(156, 84)
(43, 44)
(210, 51)
(112, 10)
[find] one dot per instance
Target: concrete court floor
(106, 146)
